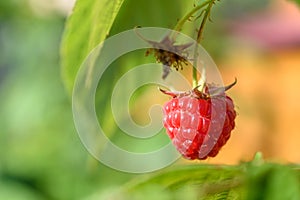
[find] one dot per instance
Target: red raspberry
(199, 124)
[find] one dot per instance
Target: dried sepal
(168, 53)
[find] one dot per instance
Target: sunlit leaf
(88, 25)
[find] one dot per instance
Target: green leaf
(273, 181)
(88, 25)
(188, 182)
(253, 180)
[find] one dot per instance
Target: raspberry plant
(188, 117)
(249, 180)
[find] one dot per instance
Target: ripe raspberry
(199, 124)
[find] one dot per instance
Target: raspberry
(199, 124)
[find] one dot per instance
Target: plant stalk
(181, 22)
(206, 16)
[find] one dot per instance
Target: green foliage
(41, 157)
(271, 181)
(131, 14)
(92, 21)
(188, 182)
(88, 25)
(215, 182)
(297, 1)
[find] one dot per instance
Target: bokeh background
(41, 156)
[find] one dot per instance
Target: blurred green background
(41, 156)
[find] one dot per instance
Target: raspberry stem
(202, 80)
(206, 15)
(182, 21)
